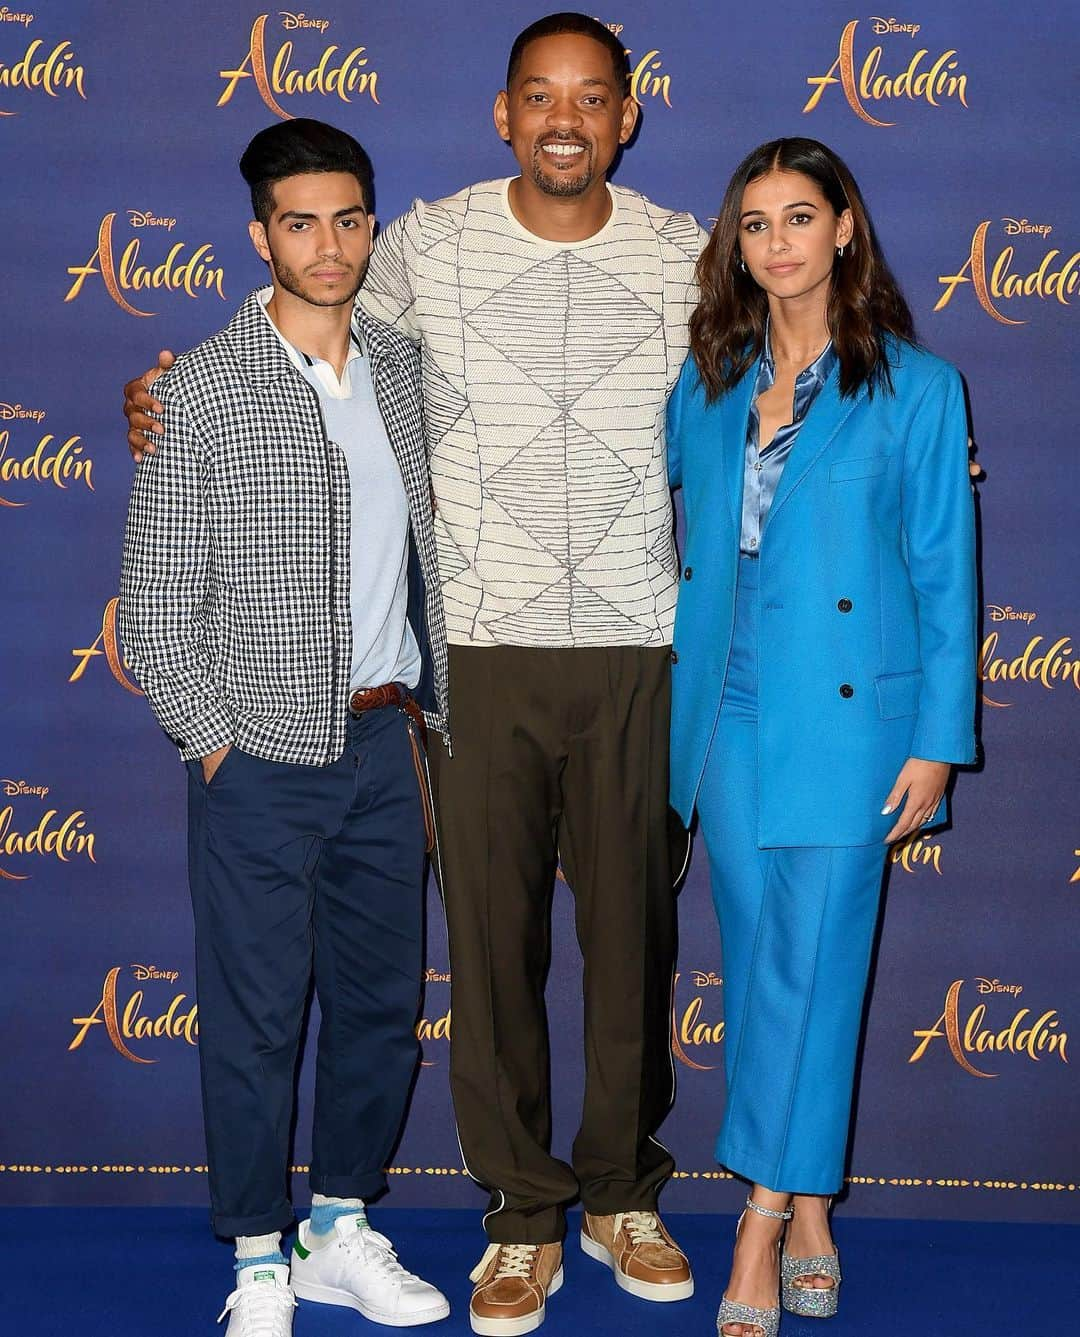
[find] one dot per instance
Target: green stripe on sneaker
(299, 1250)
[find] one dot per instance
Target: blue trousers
(796, 926)
(302, 873)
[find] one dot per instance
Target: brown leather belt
(389, 694)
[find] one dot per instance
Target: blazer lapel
(734, 413)
(827, 415)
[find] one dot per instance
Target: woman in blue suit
(824, 665)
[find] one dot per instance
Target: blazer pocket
(869, 466)
(898, 694)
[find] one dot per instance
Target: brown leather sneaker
(645, 1259)
(513, 1282)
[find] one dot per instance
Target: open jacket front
(234, 605)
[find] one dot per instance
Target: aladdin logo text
(923, 79)
(972, 1036)
(191, 274)
(342, 75)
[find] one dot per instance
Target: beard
(295, 283)
(559, 185)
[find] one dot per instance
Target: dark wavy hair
(727, 329)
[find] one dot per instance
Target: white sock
(258, 1248)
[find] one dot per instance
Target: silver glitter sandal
(731, 1311)
(810, 1301)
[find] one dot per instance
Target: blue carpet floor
(156, 1272)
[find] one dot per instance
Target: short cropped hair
(554, 25)
(292, 148)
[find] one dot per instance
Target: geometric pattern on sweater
(546, 370)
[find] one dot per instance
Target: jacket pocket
(898, 694)
(869, 466)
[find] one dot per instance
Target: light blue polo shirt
(384, 648)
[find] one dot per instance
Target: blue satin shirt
(765, 467)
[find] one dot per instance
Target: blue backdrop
(124, 230)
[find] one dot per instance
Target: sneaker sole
(514, 1327)
(658, 1292)
(330, 1295)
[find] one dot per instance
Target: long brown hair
(727, 329)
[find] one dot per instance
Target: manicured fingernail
(886, 810)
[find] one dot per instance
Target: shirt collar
(299, 359)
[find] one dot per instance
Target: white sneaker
(262, 1304)
(360, 1270)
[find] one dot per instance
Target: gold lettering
(53, 75)
(917, 851)
(1021, 1036)
(1048, 668)
(172, 1024)
(645, 82)
(62, 842)
(105, 1012)
(58, 468)
(929, 85)
(109, 641)
(343, 79)
(690, 1030)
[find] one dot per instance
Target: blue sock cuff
(323, 1215)
(262, 1260)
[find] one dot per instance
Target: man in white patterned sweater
(552, 311)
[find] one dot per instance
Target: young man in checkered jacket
(280, 606)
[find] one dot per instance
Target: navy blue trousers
(302, 872)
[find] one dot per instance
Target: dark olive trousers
(558, 753)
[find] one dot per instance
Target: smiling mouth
(563, 152)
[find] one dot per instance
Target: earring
(742, 264)
(839, 253)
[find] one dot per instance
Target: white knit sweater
(546, 369)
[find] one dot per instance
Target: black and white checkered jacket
(234, 596)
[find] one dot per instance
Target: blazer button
(846, 690)
(688, 574)
(674, 656)
(844, 605)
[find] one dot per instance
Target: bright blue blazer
(867, 640)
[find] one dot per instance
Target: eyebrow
(341, 213)
(799, 204)
(587, 82)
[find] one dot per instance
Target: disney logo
(881, 26)
(1009, 614)
(615, 28)
(8, 412)
(11, 16)
(291, 22)
(18, 788)
(1015, 227)
(137, 218)
(433, 976)
(703, 979)
(996, 986)
(153, 973)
